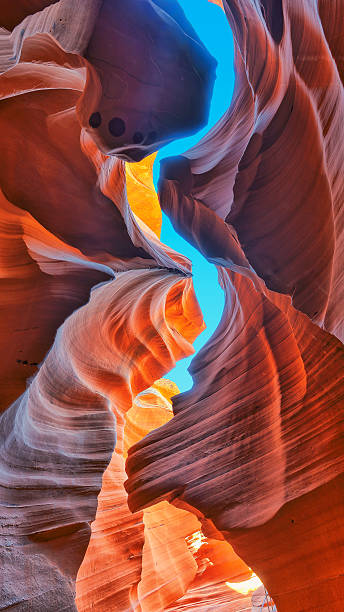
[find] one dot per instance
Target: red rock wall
(154, 559)
(12, 13)
(262, 444)
(66, 227)
(94, 309)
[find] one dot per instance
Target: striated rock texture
(156, 559)
(65, 219)
(149, 77)
(59, 435)
(256, 447)
(12, 13)
(245, 470)
(71, 362)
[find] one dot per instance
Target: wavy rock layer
(272, 166)
(66, 227)
(62, 215)
(256, 447)
(137, 96)
(95, 309)
(63, 426)
(157, 558)
(256, 450)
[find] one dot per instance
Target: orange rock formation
(261, 455)
(244, 472)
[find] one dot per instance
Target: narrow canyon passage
(150, 460)
(218, 40)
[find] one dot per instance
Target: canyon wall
(243, 472)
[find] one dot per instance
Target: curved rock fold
(118, 492)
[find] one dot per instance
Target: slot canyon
(172, 319)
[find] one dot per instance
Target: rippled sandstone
(261, 453)
(67, 230)
(95, 309)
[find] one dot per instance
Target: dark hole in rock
(116, 126)
(95, 120)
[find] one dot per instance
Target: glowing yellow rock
(141, 193)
